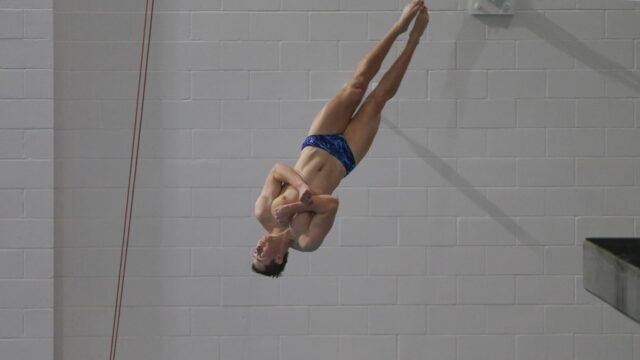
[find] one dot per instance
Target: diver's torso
(319, 169)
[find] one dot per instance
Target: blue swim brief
(334, 144)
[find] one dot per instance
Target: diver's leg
(334, 117)
(370, 64)
(363, 128)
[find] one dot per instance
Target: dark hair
(272, 269)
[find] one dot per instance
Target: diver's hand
(284, 213)
(280, 214)
(305, 194)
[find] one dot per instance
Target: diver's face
(267, 249)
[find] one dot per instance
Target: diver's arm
(262, 207)
(280, 174)
(263, 214)
(286, 174)
(312, 233)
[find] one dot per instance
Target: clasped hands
(283, 214)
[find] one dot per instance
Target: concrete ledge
(611, 270)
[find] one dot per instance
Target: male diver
(295, 205)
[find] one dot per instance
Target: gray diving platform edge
(611, 271)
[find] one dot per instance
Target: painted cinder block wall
(458, 237)
(26, 180)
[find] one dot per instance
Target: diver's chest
(288, 195)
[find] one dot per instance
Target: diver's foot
(408, 13)
(422, 20)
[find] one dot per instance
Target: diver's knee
(358, 83)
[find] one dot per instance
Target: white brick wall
(26, 180)
(459, 237)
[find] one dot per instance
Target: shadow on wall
(465, 187)
(563, 40)
(545, 29)
(539, 24)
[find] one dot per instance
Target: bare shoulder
(300, 224)
(263, 213)
(295, 244)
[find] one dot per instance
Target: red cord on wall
(133, 167)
